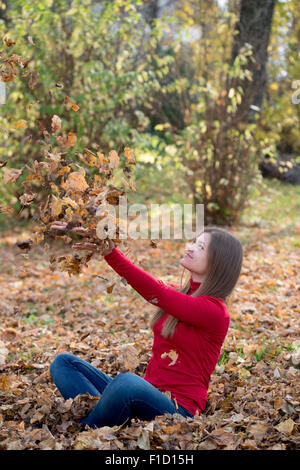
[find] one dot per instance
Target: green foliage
(216, 145)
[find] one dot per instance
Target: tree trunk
(254, 28)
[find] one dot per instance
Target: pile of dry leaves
(254, 391)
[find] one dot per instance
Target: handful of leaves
(75, 193)
(75, 201)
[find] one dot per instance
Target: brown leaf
(56, 123)
(4, 380)
(24, 245)
(113, 159)
(20, 124)
(258, 431)
(128, 355)
(72, 139)
(89, 158)
(76, 182)
(8, 42)
(34, 77)
(56, 206)
(129, 155)
(11, 175)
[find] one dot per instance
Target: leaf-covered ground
(254, 400)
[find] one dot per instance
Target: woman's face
(196, 257)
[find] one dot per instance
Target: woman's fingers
(57, 225)
(85, 246)
(59, 222)
(80, 231)
(109, 247)
(111, 244)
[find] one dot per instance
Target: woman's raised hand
(108, 248)
(58, 225)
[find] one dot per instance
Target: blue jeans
(123, 397)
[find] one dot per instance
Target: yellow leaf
(171, 429)
(63, 170)
(56, 206)
(73, 106)
(244, 373)
(11, 175)
(72, 139)
(56, 123)
(4, 382)
(132, 185)
(32, 177)
(129, 155)
(20, 124)
(68, 201)
(274, 86)
(102, 158)
(88, 158)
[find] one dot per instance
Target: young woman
(189, 327)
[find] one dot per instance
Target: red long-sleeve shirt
(184, 363)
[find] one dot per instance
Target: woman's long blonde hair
(225, 257)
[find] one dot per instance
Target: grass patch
(274, 204)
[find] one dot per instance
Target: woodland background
(205, 93)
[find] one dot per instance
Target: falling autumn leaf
(11, 175)
(72, 139)
(27, 199)
(56, 123)
(113, 159)
(76, 182)
(8, 42)
(30, 40)
(129, 155)
(4, 209)
(88, 158)
(172, 355)
(70, 104)
(56, 206)
(20, 124)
